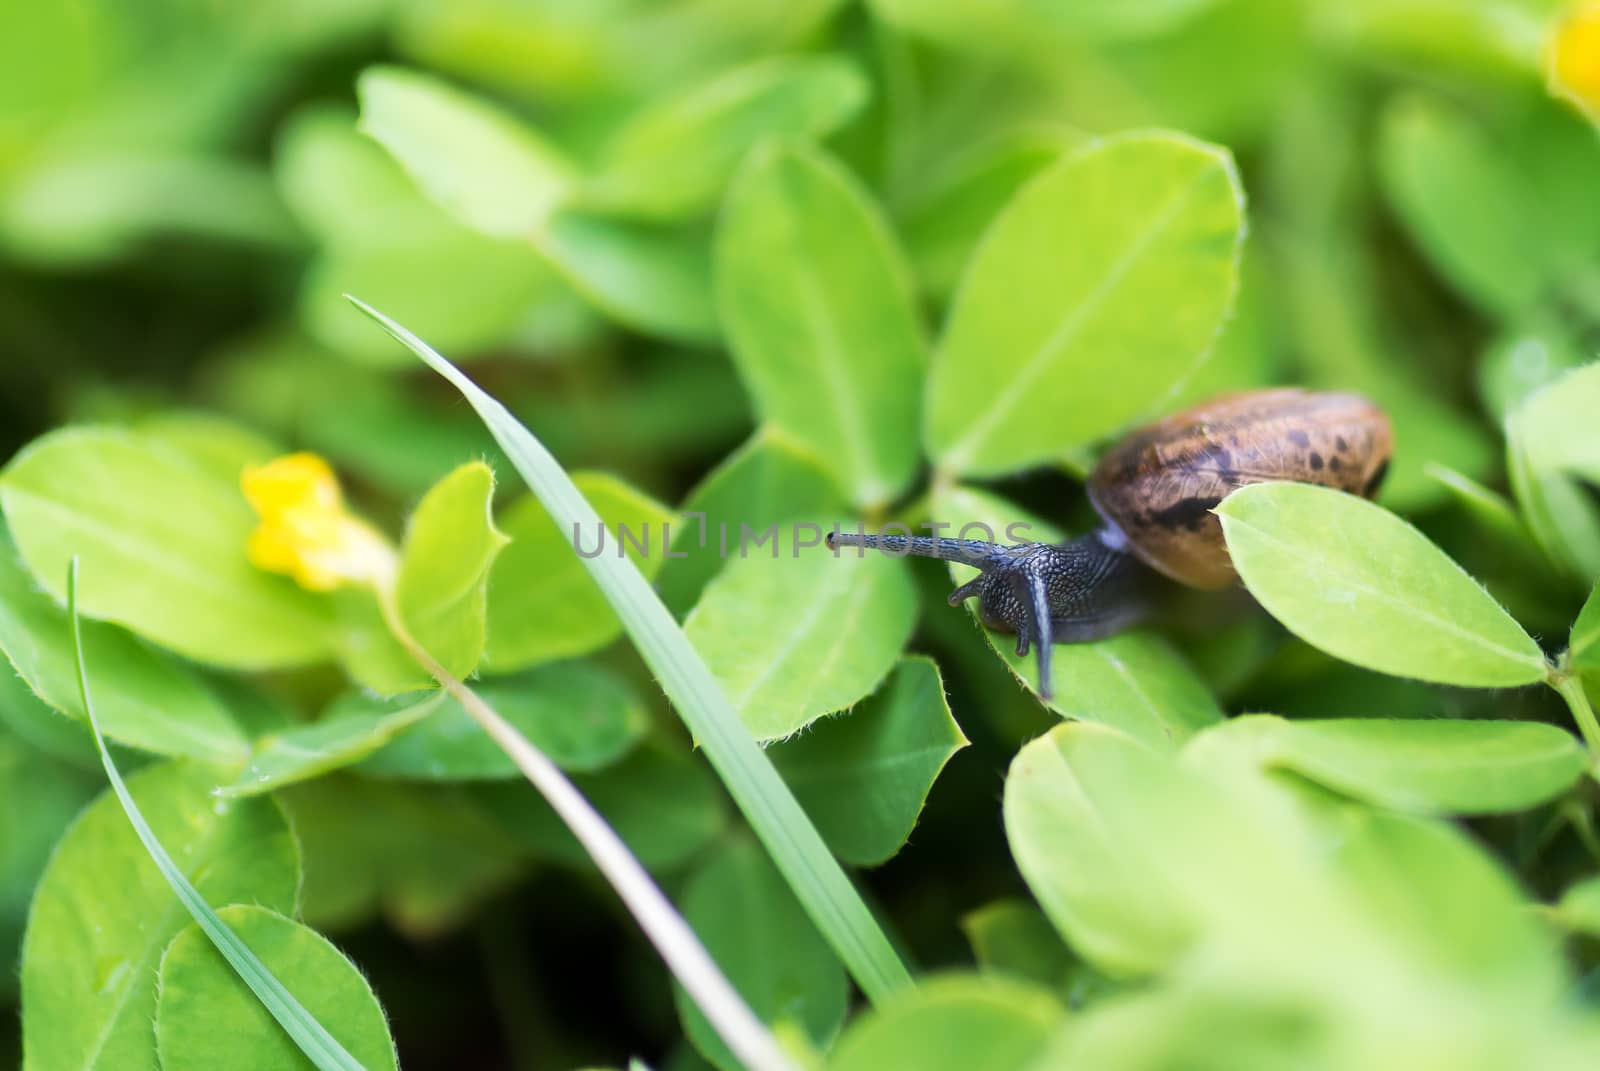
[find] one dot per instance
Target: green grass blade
(319, 1046)
(771, 809)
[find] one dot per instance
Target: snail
(1154, 492)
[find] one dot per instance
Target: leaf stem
(1570, 687)
(667, 930)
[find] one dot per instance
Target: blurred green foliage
(623, 217)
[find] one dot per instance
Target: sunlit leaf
(146, 699)
(948, 212)
(339, 739)
(219, 444)
(1018, 24)
(480, 164)
(653, 278)
(90, 959)
(792, 636)
(383, 237)
(952, 1023)
(817, 303)
(1135, 682)
(769, 480)
(450, 546)
(1112, 904)
(206, 1016)
(1353, 579)
(1442, 900)
(97, 205)
(542, 603)
(1043, 353)
(1438, 766)
(1550, 443)
(441, 590)
(164, 538)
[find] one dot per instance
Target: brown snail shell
(1160, 483)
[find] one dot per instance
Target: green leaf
(774, 814)
(103, 912)
(1344, 344)
(1043, 353)
(1492, 511)
(1013, 937)
(1107, 896)
(1584, 650)
(953, 1023)
(427, 857)
(147, 700)
(472, 290)
(384, 238)
(441, 589)
(652, 278)
(1016, 24)
(164, 539)
(41, 727)
(864, 775)
(673, 159)
(450, 546)
(580, 715)
(820, 315)
(1578, 910)
(664, 805)
(1524, 358)
(1501, 213)
(1135, 682)
(1558, 511)
(542, 604)
(206, 1016)
(769, 480)
(1549, 440)
(342, 185)
(949, 211)
(793, 638)
(102, 204)
(212, 441)
(1438, 898)
(757, 932)
(309, 1035)
(1435, 766)
(475, 161)
(39, 797)
(1356, 581)
(341, 738)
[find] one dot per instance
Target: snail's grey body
(1155, 491)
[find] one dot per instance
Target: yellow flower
(305, 530)
(1575, 57)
